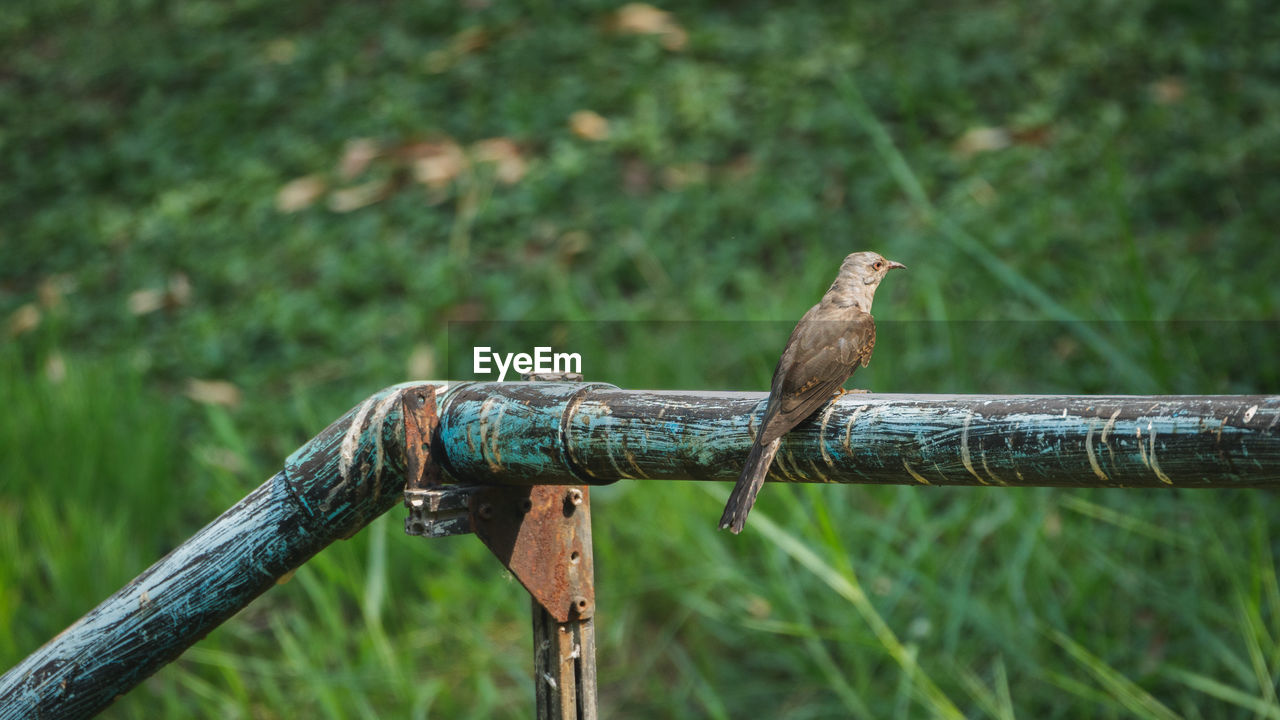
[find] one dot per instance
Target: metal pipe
(589, 433)
(561, 433)
(346, 476)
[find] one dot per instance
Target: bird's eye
(877, 265)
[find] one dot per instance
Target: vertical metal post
(564, 650)
(542, 534)
(564, 653)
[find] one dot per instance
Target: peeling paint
(1093, 458)
(911, 471)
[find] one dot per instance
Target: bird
(832, 339)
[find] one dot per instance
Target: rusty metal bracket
(542, 534)
(440, 511)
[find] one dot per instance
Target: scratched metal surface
(338, 482)
(552, 433)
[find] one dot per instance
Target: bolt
(578, 604)
(485, 512)
(526, 505)
(575, 497)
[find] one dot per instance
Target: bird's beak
(895, 265)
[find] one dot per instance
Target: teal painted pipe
(535, 433)
(571, 433)
(346, 476)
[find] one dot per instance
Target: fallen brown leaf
(589, 125)
(1037, 135)
(356, 156)
(144, 302)
(362, 195)
(645, 19)
(982, 139)
(300, 193)
(54, 288)
(24, 319)
(1168, 90)
(437, 164)
(213, 392)
(179, 291)
(505, 154)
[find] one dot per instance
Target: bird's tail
(749, 482)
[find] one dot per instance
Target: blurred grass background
(224, 223)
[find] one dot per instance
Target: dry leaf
(356, 156)
(437, 164)
(179, 291)
(53, 288)
(422, 362)
(645, 19)
(149, 300)
(589, 125)
(1168, 90)
(24, 319)
(213, 392)
(505, 154)
(299, 194)
(363, 195)
(982, 139)
(1037, 135)
(144, 302)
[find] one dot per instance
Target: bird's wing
(821, 354)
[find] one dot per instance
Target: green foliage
(1086, 196)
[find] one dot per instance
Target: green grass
(1123, 241)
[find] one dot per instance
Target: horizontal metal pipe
(331, 487)
(561, 433)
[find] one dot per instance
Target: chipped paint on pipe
(346, 476)
(561, 433)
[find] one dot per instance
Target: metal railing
(511, 462)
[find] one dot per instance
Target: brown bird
(827, 345)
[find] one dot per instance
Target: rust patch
(420, 423)
(542, 534)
